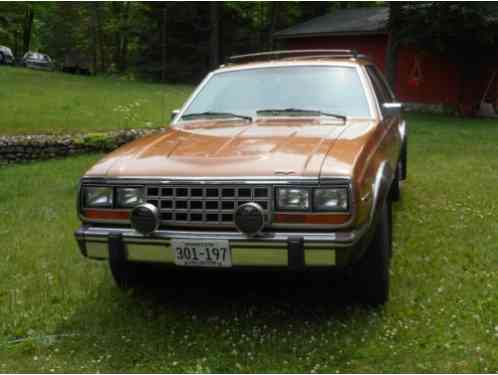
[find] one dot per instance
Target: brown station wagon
(284, 160)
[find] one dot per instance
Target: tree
(16, 23)
(94, 34)
(27, 27)
(164, 41)
(393, 41)
(98, 52)
(214, 35)
(277, 8)
(121, 28)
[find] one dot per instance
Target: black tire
(371, 273)
(404, 162)
(395, 192)
(2, 59)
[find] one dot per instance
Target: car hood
(269, 148)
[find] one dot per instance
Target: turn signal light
(288, 218)
(106, 214)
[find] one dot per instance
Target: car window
(381, 87)
(379, 90)
(333, 89)
(384, 84)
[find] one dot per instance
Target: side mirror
(392, 108)
(174, 113)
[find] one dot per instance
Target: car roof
(352, 62)
(295, 57)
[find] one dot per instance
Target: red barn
(423, 79)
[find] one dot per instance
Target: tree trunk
(123, 45)
(121, 12)
(16, 45)
(93, 34)
(27, 27)
(391, 63)
(276, 9)
(117, 7)
(164, 34)
(100, 41)
(214, 35)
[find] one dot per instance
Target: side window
(384, 84)
(380, 92)
(381, 87)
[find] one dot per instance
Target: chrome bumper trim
(316, 239)
(272, 249)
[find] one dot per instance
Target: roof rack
(286, 54)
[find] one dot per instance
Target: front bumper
(37, 66)
(277, 249)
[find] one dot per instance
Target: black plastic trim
(116, 249)
(295, 252)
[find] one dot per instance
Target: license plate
(202, 253)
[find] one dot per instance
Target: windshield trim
(373, 114)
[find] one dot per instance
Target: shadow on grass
(272, 297)
(197, 290)
(184, 312)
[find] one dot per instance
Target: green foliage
(128, 36)
(60, 312)
(97, 141)
(48, 102)
(458, 29)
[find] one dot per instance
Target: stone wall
(15, 149)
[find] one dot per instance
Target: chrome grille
(206, 205)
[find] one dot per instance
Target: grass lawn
(61, 312)
(49, 102)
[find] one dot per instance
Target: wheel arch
(381, 188)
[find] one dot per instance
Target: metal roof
(355, 21)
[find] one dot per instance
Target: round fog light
(145, 218)
(250, 219)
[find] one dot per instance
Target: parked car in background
(6, 56)
(76, 63)
(283, 160)
(37, 60)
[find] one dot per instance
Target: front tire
(395, 192)
(404, 162)
(371, 273)
(2, 59)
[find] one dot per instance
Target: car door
(391, 139)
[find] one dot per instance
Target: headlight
(293, 199)
(333, 199)
(97, 197)
(129, 197)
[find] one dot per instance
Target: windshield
(327, 89)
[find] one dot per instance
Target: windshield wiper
(301, 111)
(217, 114)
